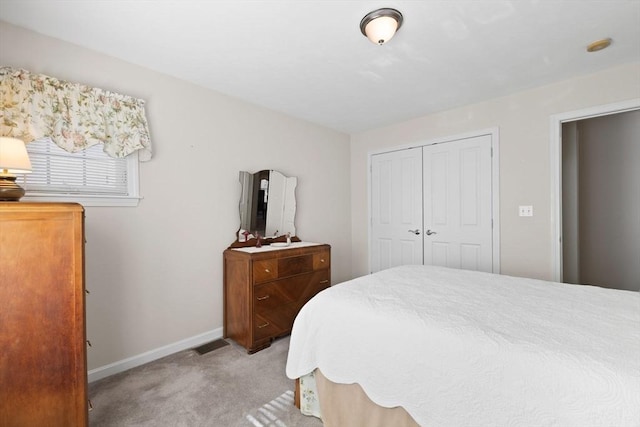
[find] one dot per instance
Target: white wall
(155, 271)
(523, 120)
(609, 201)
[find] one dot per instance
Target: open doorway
(597, 195)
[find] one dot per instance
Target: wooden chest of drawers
(265, 289)
(43, 361)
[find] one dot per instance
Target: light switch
(525, 210)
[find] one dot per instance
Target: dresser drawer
(275, 321)
(274, 268)
(265, 270)
(277, 303)
(321, 260)
(291, 289)
(290, 266)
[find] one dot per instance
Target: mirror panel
(267, 203)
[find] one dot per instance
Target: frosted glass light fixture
(381, 25)
(13, 159)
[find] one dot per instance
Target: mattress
(455, 347)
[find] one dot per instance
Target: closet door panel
(396, 209)
(457, 204)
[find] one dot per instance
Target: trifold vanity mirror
(267, 207)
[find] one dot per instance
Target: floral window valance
(73, 115)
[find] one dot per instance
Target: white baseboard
(149, 356)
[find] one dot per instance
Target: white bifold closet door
(396, 209)
(432, 205)
(457, 204)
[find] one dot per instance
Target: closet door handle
(429, 232)
(416, 232)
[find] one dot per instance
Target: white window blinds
(90, 171)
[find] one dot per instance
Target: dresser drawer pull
(266, 270)
(263, 298)
(322, 282)
(263, 326)
(322, 260)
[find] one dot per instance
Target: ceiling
(308, 59)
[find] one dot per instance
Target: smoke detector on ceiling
(599, 45)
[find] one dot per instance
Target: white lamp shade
(381, 29)
(13, 156)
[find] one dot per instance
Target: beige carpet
(226, 387)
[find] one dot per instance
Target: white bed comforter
(461, 348)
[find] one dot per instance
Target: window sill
(85, 200)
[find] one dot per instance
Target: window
(43, 109)
(89, 177)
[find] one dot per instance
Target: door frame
(555, 126)
(495, 183)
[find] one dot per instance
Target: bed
(444, 347)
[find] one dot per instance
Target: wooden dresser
(43, 368)
(264, 289)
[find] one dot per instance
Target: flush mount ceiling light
(381, 24)
(598, 45)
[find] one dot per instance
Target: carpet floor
(225, 387)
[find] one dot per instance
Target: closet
(436, 204)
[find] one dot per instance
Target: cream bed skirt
(341, 405)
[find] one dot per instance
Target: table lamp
(13, 159)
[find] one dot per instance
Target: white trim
(555, 151)
(369, 211)
(472, 134)
(494, 132)
(84, 200)
(150, 356)
(495, 197)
